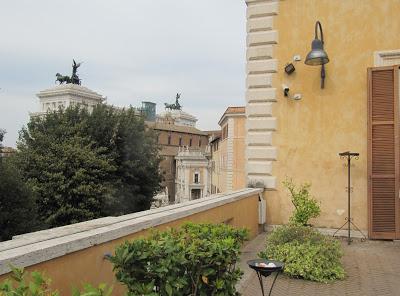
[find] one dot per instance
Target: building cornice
(70, 89)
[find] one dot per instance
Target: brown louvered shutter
(383, 153)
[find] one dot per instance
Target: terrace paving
(372, 267)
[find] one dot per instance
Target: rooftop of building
(214, 135)
(7, 150)
(192, 154)
(232, 111)
(235, 110)
(69, 88)
(175, 128)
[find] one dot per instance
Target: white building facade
(178, 117)
(193, 175)
(65, 95)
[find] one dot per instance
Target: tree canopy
(2, 132)
(84, 165)
(17, 205)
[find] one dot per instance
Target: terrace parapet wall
(74, 254)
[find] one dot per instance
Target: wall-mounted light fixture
(289, 68)
(285, 90)
(317, 56)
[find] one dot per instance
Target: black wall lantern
(317, 56)
(289, 68)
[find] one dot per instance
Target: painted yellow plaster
(312, 132)
(216, 178)
(223, 157)
(239, 174)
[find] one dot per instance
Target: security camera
(285, 90)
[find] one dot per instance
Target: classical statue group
(74, 79)
(175, 106)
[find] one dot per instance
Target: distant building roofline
(175, 128)
(233, 111)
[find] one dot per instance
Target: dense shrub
(306, 253)
(39, 285)
(306, 207)
(197, 259)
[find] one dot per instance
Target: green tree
(17, 205)
(88, 165)
(64, 167)
(135, 152)
(2, 133)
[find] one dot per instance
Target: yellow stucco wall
(239, 173)
(88, 265)
(220, 178)
(216, 172)
(223, 156)
(311, 132)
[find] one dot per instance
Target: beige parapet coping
(33, 248)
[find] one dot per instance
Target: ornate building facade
(193, 174)
(65, 95)
(176, 129)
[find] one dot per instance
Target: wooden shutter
(383, 153)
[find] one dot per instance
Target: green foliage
(197, 259)
(306, 253)
(135, 152)
(2, 133)
(17, 203)
(89, 290)
(37, 286)
(65, 169)
(306, 207)
(85, 165)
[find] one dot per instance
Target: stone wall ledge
(30, 249)
(328, 231)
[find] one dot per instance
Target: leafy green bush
(306, 207)
(89, 290)
(197, 259)
(306, 253)
(40, 286)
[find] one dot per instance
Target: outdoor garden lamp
(317, 56)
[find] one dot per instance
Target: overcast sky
(131, 51)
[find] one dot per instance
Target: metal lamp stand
(349, 221)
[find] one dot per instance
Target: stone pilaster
(187, 182)
(206, 181)
(260, 95)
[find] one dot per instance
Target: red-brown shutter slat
(383, 152)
